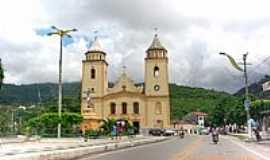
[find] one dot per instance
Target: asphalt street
(189, 148)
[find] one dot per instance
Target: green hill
(183, 99)
(34, 93)
(188, 99)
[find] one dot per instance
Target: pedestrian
(118, 128)
(114, 132)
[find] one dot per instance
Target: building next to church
(145, 106)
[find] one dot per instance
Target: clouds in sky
(194, 32)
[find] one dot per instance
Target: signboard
(247, 104)
(266, 86)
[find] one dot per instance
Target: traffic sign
(247, 104)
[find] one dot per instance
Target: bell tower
(94, 85)
(95, 70)
(157, 85)
(156, 70)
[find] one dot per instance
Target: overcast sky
(193, 31)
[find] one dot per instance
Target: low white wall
(69, 154)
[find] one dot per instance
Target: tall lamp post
(61, 33)
(1, 73)
(247, 102)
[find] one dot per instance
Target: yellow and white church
(145, 106)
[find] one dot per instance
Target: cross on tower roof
(156, 43)
(124, 67)
(96, 45)
(96, 34)
(156, 30)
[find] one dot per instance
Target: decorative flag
(266, 86)
(233, 62)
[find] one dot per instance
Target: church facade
(145, 106)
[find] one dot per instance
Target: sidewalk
(67, 148)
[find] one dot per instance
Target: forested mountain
(183, 99)
(256, 89)
(188, 99)
(35, 93)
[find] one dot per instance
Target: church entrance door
(136, 125)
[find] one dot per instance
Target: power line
(261, 63)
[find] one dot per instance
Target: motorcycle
(215, 137)
(182, 134)
(257, 134)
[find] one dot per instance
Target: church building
(145, 106)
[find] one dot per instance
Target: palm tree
(107, 125)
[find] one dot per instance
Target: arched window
(136, 108)
(124, 108)
(158, 108)
(93, 73)
(113, 108)
(156, 71)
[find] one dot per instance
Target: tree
(46, 124)
(107, 125)
(4, 124)
(217, 115)
(258, 107)
(70, 104)
(1, 74)
(228, 110)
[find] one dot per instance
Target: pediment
(124, 84)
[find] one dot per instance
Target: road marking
(125, 149)
(252, 151)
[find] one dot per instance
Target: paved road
(189, 148)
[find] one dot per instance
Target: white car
(204, 131)
(169, 132)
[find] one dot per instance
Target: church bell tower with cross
(157, 84)
(94, 84)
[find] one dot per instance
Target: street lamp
(61, 33)
(247, 102)
(1, 73)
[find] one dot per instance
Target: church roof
(156, 44)
(96, 46)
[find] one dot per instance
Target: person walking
(114, 132)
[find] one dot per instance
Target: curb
(73, 153)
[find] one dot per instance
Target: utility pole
(1, 73)
(12, 121)
(247, 100)
(61, 33)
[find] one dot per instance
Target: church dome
(156, 44)
(96, 51)
(156, 49)
(96, 46)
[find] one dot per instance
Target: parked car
(156, 132)
(169, 132)
(204, 131)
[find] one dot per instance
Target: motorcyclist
(256, 131)
(182, 132)
(215, 134)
